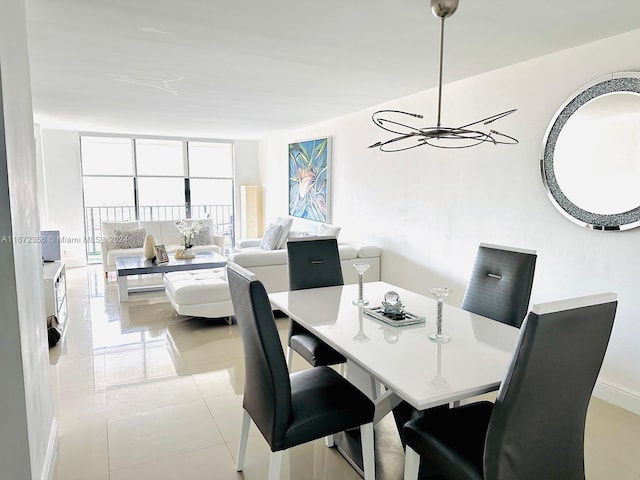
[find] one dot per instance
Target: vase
(149, 243)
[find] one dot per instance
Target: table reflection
(391, 334)
(317, 309)
(360, 337)
(438, 380)
(493, 333)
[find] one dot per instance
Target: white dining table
(403, 359)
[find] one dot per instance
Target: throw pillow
(326, 230)
(271, 237)
(109, 228)
(203, 237)
(285, 223)
(131, 238)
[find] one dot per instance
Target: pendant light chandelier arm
(509, 140)
(416, 115)
(383, 122)
(491, 119)
(438, 136)
(393, 140)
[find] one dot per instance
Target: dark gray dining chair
(289, 409)
(500, 284)
(312, 262)
(499, 288)
(535, 429)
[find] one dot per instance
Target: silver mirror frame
(616, 82)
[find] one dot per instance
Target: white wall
(63, 193)
(27, 425)
(430, 208)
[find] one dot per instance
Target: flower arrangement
(188, 230)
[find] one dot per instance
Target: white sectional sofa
(206, 293)
(116, 236)
(270, 266)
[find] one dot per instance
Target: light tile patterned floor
(141, 393)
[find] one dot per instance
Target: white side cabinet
(55, 291)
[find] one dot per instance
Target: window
(106, 156)
(160, 158)
(161, 198)
(154, 179)
(210, 160)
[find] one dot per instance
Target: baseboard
(52, 452)
(618, 395)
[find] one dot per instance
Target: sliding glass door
(127, 178)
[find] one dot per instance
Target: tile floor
(141, 393)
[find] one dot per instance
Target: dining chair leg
(289, 357)
(329, 441)
(374, 388)
(368, 456)
(411, 464)
(244, 437)
(275, 462)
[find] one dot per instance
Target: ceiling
(242, 69)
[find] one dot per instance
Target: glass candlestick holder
(360, 268)
(439, 293)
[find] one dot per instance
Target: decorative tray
(394, 319)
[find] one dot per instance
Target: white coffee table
(138, 265)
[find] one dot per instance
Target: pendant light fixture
(468, 135)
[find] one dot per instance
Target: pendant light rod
(440, 69)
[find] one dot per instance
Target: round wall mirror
(591, 154)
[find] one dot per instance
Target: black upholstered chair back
(314, 263)
(536, 429)
(500, 284)
(267, 388)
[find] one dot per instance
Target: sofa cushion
(257, 257)
(153, 228)
(298, 234)
(170, 232)
(129, 238)
(271, 237)
(368, 251)
(247, 243)
(285, 223)
(347, 252)
(326, 230)
(167, 230)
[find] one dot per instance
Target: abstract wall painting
(309, 164)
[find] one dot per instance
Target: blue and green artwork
(309, 179)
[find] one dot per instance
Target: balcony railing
(222, 216)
